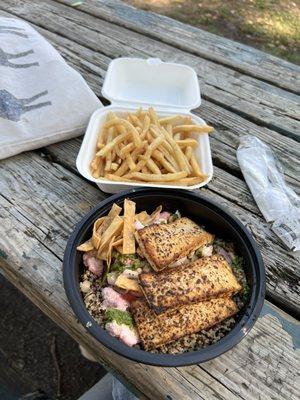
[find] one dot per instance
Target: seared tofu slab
(156, 330)
(205, 278)
(164, 244)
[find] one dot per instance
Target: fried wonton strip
(142, 216)
(114, 229)
(96, 236)
(153, 215)
(86, 246)
(101, 225)
(128, 229)
(118, 242)
(109, 251)
(128, 284)
(120, 249)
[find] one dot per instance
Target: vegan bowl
(169, 279)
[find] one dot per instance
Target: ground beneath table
(26, 335)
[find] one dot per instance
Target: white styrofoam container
(131, 83)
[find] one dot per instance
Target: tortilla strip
(164, 244)
(128, 229)
(156, 330)
(203, 279)
(86, 246)
(96, 236)
(142, 216)
(153, 215)
(113, 230)
(128, 284)
(109, 251)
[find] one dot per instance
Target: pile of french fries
(148, 149)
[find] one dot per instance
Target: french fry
(156, 142)
(112, 144)
(126, 149)
(152, 166)
(114, 166)
(130, 162)
(170, 120)
(153, 116)
(159, 157)
(116, 178)
(123, 168)
(188, 152)
(187, 142)
(193, 128)
(155, 177)
(146, 126)
(195, 166)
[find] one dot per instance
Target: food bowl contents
(160, 282)
(143, 148)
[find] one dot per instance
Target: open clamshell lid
(151, 82)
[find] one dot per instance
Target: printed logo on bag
(12, 108)
(13, 30)
(6, 57)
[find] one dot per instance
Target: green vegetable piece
(118, 316)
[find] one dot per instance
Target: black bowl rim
(241, 329)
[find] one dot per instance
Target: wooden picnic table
(42, 196)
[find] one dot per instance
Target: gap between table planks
(265, 363)
(258, 101)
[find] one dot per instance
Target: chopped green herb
(120, 262)
(237, 263)
(174, 216)
(119, 316)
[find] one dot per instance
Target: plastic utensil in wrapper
(277, 202)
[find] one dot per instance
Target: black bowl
(217, 220)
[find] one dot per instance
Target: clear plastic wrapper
(277, 202)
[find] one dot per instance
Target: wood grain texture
(229, 126)
(196, 41)
(219, 84)
(264, 364)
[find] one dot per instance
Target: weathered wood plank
(264, 364)
(240, 57)
(219, 84)
(40, 190)
(229, 126)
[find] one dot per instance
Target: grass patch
(270, 25)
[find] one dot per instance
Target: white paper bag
(42, 99)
